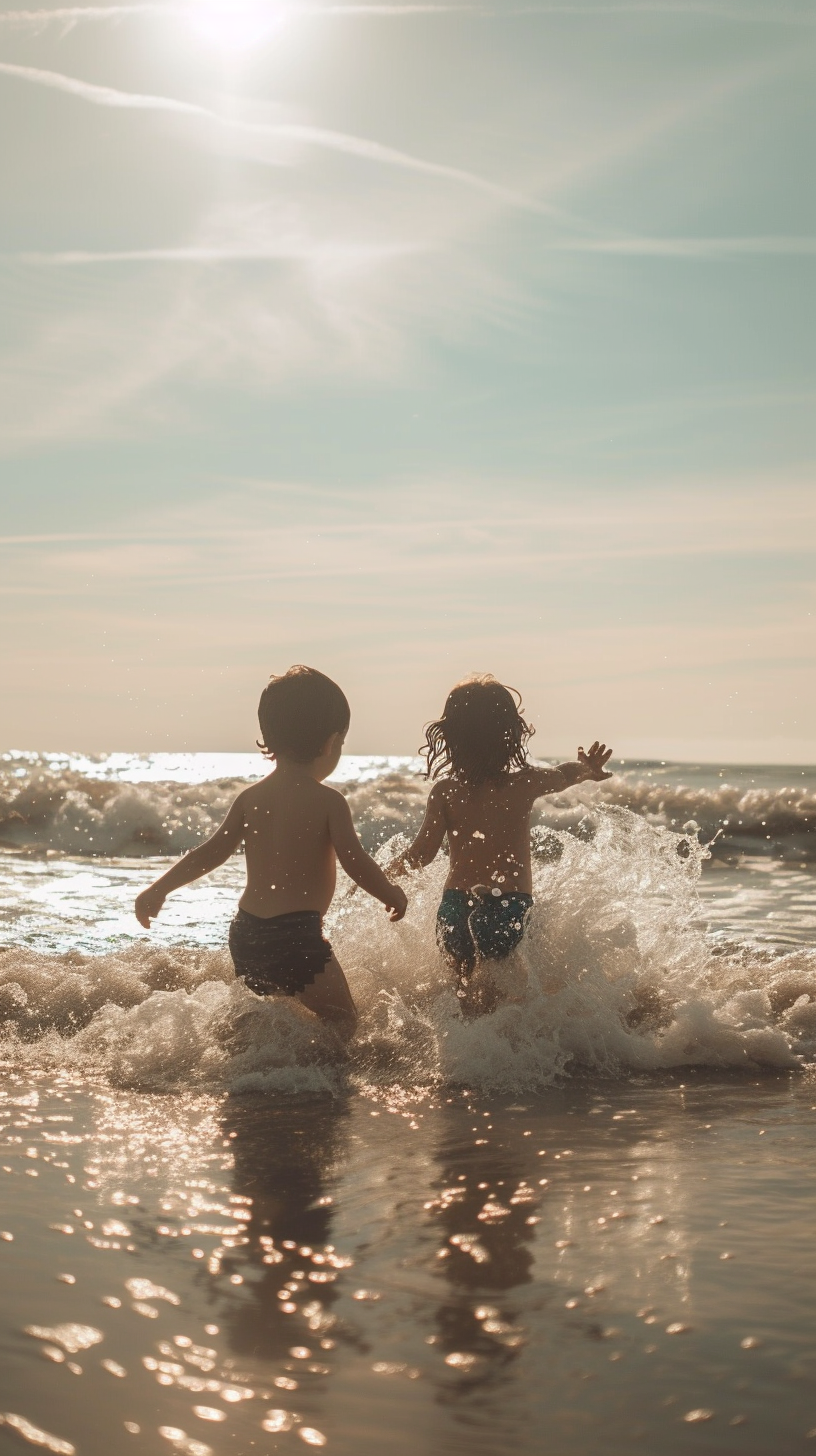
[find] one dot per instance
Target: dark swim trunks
(279, 955)
(470, 925)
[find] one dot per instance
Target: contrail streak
(310, 135)
(618, 7)
(70, 16)
(206, 255)
(681, 248)
(692, 248)
(74, 14)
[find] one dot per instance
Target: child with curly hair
(482, 799)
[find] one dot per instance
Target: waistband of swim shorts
(292, 920)
(464, 897)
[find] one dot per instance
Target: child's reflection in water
(482, 1206)
(285, 1156)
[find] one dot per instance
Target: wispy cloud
(67, 17)
(397, 606)
(693, 248)
(335, 253)
(322, 137)
(740, 13)
(682, 248)
(743, 518)
(105, 95)
(313, 295)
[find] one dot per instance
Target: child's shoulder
(331, 795)
(252, 796)
(255, 790)
(268, 797)
(443, 793)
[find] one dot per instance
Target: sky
(407, 341)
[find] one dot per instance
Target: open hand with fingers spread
(594, 761)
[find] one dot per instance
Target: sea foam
(52, 807)
(615, 976)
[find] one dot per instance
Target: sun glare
(237, 25)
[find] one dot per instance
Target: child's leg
(330, 998)
(453, 936)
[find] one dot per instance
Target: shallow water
(579, 1220)
(456, 1275)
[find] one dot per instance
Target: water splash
(615, 975)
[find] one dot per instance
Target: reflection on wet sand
(284, 1157)
(484, 1207)
(614, 1266)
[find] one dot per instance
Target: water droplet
(311, 1436)
(460, 1360)
(278, 1420)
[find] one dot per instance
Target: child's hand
(594, 761)
(148, 905)
(397, 904)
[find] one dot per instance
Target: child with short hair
(482, 800)
(294, 829)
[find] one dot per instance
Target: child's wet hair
(299, 710)
(481, 733)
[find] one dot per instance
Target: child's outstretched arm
(589, 765)
(358, 865)
(197, 862)
(428, 841)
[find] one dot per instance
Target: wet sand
(581, 1224)
(606, 1267)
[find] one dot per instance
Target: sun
(237, 25)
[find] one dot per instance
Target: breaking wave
(61, 810)
(615, 976)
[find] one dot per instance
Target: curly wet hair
(480, 735)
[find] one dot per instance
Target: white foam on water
(69, 806)
(615, 975)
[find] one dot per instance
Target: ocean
(582, 1223)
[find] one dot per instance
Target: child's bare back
(488, 829)
(294, 829)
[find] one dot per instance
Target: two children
(294, 828)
